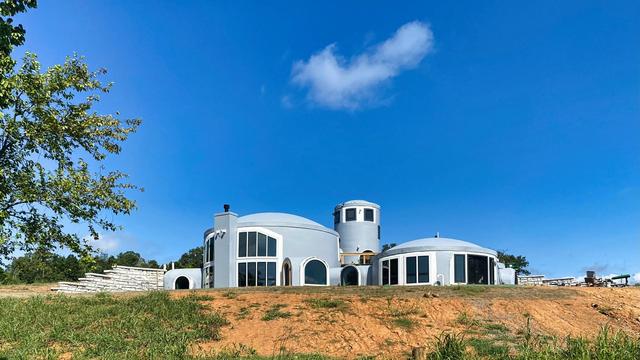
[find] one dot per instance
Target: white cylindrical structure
(358, 223)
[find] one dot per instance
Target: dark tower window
(368, 215)
(350, 215)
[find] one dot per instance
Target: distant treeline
(43, 266)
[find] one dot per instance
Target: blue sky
(515, 126)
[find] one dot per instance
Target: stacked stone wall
(530, 279)
(118, 279)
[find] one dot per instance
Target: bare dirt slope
(388, 323)
(26, 290)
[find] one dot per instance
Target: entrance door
(286, 274)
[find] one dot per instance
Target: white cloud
(107, 243)
(636, 278)
(337, 83)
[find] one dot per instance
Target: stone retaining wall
(530, 279)
(118, 279)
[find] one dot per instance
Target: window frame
(255, 264)
(373, 215)
(466, 270)
(268, 234)
(400, 270)
(346, 214)
(303, 267)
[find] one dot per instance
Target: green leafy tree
(191, 259)
(10, 36)
(130, 258)
(52, 149)
(519, 262)
(386, 247)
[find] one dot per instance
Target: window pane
(262, 244)
(350, 214)
(242, 244)
(272, 247)
(251, 274)
(393, 272)
(271, 274)
(315, 273)
(477, 268)
(458, 266)
(368, 214)
(206, 250)
(423, 269)
(242, 275)
(336, 217)
(251, 246)
(211, 249)
(410, 266)
(385, 272)
(378, 232)
(262, 274)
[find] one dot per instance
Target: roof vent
(226, 207)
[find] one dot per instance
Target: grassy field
(161, 325)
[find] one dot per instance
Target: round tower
(358, 223)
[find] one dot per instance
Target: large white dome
(276, 217)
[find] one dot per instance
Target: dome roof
(438, 244)
(357, 203)
(276, 217)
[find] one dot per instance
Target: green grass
(404, 322)
(106, 327)
(489, 349)
(607, 345)
(322, 303)
(274, 313)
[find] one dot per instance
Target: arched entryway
(286, 274)
(349, 276)
(181, 283)
(315, 272)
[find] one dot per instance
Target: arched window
(349, 276)
(256, 244)
(315, 273)
(181, 283)
(286, 274)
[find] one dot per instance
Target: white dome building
(280, 249)
(436, 261)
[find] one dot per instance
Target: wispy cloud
(107, 243)
(636, 278)
(337, 83)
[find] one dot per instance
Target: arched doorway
(181, 283)
(315, 273)
(349, 276)
(286, 273)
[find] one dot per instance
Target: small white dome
(438, 244)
